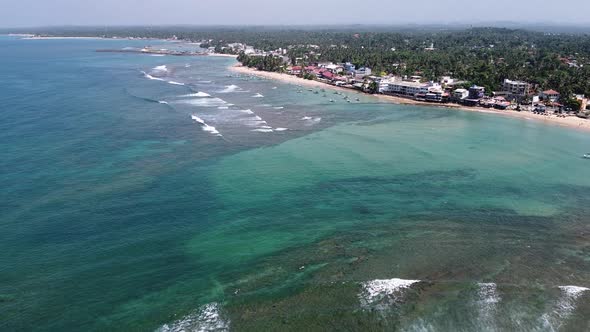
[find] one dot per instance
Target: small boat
(331, 100)
(357, 99)
(586, 155)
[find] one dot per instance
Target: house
(295, 70)
(476, 92)
(550, 95)
(349, 68)
(516, 89)
(362, 72)
(460, 94)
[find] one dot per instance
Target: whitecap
(247, 111)
(306, 118)
(230, 88)
(278, 107)
(486, 303)
(281, 129)
(563, 308)
(205, 126)
(163, 102)
(258, 95)
(204, 102)
(376, 290)
(207, 318)
(198, 94)
(263, 130)
(158, 55)
(146, 75)
(175, 83)
(274, 87)
(161, 68)
(222, 107)
(204, 82)
(265, 127)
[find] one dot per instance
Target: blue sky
(18, 13)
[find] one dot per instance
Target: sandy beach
(570, 121)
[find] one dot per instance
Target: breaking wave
(205, 126)
(198, 94)
(207, 318)
(263, 130)
(376, 291)
(258, 95)
(175, 83)
(148, 76)
(230, 88)
(204, 102)
(161, 68)
(281, 129)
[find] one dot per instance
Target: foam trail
(207, 318)
(487, 301)
(376, 290)
(565, 307)
(205, 126)
(198, 94)
(204, 102)
(230, 88)
(175, 83)
(161, 68)
(146, 75)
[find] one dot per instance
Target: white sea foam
(205, 126)
(207, 318)
(274, 87)
(204, 82)
(204, 102)
(158, 55)
(187, 66)
(230, 88)
(311, 120)
(163, 102)
(161, 68)
(486, 303)
(256, 118)
(564, 307)
(265, 127)
(175, 83)
(281, 129)
(247, 111)
(222, 107)
(146, 75)
(278, 107)
(258, 95)
(376, 290)
(263, 130)
(198, 94)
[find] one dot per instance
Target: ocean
(162, 193)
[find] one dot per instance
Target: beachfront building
(476, 92)
(460, 94)
(349, 68)
(516, 89)
(362, 72)
(295, 70)
(550, 95)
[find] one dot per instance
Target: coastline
(570, 121)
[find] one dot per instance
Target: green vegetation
(484, 56)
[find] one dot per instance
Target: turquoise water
(231, 202)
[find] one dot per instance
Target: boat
(586, 155)
(331, 100)
(357, 99)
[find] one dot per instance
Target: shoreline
(570, 121)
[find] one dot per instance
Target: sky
(34, 13)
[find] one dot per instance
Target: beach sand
(570, 121)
